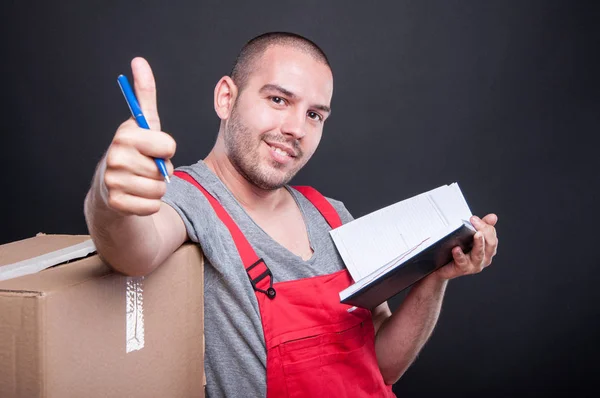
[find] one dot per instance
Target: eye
(315, 116)
(278, 100)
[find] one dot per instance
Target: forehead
(296, 71)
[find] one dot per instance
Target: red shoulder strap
(243, 246)
(250, 259)
(325, 208)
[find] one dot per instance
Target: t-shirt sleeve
(180, 196)
(344, 214)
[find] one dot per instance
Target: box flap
(35, 254)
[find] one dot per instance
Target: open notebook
(392, 248)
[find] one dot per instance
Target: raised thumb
(145, 91)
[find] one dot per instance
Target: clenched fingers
(127, 158)
(132, 205)
(150, 143)
(123, 182)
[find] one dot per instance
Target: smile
(281, 149)
(281, 153)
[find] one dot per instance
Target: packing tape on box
(135, 313)
(40, 263)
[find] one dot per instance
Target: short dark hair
(255, 48)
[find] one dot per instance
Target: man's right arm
(133, 230)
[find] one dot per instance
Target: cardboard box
(79, 329)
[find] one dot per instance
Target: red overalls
(315, 347)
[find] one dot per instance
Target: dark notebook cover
(407, 273)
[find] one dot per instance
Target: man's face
(277, 120)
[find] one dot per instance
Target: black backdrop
(501, 96)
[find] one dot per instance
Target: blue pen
(136, 111)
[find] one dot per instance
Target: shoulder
(338, 205)
(189, 201)
(198, 171)
(341, 209)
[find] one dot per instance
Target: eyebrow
(288, 93)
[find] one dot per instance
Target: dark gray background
(501, 96)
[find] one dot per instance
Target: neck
(251, 197)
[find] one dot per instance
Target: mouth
(282, 149)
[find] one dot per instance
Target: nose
(293, 125)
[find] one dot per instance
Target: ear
(225, 95)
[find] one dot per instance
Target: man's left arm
(401, 336)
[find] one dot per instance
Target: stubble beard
(244, 155)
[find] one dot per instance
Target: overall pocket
(331, 363)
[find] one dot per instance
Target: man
(272, 322)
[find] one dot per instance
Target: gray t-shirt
(235, 362)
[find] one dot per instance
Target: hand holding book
(485, 246)
(390, 249)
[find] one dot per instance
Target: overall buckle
(270, 292)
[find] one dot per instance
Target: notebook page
(375, 239)
(451, 203)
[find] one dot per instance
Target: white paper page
(376, 239)
(451, 203)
